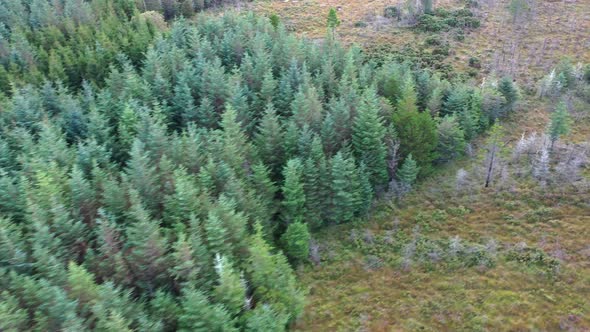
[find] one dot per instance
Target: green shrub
(443, 20)
(439, 216)
(392, 12)
(430, 23)
(477, 255)
(360, 24)
(433, 40)
(459, 36)
(534, 257)
(459, 211)
(541, 214)
(471, 22)
(474, 62)
(443, 50)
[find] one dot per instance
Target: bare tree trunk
(490, 167)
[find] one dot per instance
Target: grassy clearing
(350, 291)
(525, 50)
(502, 280)
(529, 48)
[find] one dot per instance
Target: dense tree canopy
(149, 176)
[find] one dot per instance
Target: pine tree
(165, 307)
(408, 172)
(265, 319)
(13, 252)
(205, 115)
(417, 134)
(296, 241)
(140, 173)
(83, 288)
(147, 247)
(508, 90)
(333, 21)
(293, 192)
(235, 148)
(270, 141)
(451, 141)
(367, 138)
(14, 318)
(272, 279)
(183, 266)
(343, 197)
(560, 123)
(200, 315)
(365, 191)
(268, 90)
(217, 237)
(230, 289)
(408, 97)
(184, 102)
(265, 190)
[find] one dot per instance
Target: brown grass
(526, 50)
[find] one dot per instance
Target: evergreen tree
(408, 97)
(231, 288)
(217, 237)
(451, 141)
(147, 247)
(200, 315)
(367, 138)
(296, 241)
(508, 90)
(560, 123)
(270, 141)
(408, 172)
(333, 21)
(265, 319)
(272, 279)
(293, 205)
(417, 134)
(343, 197)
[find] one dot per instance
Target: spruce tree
(560, 123)
(408, 172)
(272, 278)
(264, 318)
(296, 241)
(269, 140)
(417, 134)
(343, 197)
(230, 289)
(333, 21)
(293, 205)
(367, 138)
(507, 88)
(451, 141)
(200, 315)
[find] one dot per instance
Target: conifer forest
(313, 165)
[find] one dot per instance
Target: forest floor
(386, 273)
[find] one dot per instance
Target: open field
(366, 282)
(525, 49)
